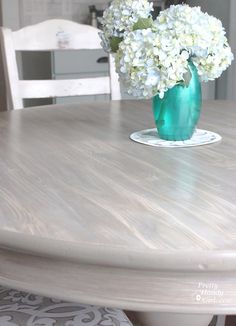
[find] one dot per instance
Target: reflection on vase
(177, 114)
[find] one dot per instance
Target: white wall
(231, 82)
(19, 13)
(34, 11)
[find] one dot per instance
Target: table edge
(150, 259)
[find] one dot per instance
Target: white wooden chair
(50, 35)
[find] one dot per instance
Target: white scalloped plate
(150, 137)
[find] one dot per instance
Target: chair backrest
(50, 35)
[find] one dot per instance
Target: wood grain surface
(76, 189)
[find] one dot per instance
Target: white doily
(150, 137)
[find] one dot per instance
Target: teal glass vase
(176, 115)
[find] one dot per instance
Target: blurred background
(15, 14)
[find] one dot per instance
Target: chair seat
(24, 309)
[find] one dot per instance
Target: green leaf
(114, 43)
(143, 23)
(187, 78)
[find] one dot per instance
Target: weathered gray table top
(76, 189)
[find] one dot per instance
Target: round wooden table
(88, 215)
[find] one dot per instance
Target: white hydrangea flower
(149, 63)
(202, 35)
(119, 18)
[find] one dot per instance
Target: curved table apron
(88, 215)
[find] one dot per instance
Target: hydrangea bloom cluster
(152, 58)
(149, 63)
(119, 18)
(199, 33)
